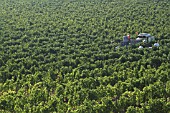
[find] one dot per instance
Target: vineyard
(61, 56)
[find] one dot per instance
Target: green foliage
(61, 56)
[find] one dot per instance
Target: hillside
(60, 56)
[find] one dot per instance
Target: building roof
(144, 34)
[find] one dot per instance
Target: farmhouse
(145, 37)
(142, 37)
